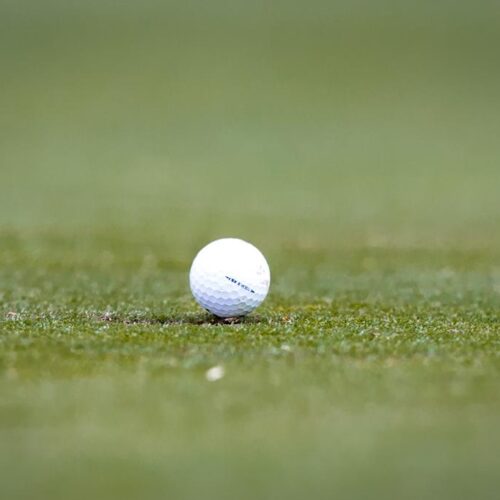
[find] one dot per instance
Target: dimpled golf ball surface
(229, 277)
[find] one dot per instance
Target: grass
(384, 366)
(356, 145)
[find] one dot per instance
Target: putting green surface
(355, 143)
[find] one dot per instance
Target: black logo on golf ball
(241, 285)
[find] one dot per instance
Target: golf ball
(229, 277)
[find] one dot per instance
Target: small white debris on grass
(107, 316)
(11, 315)
(215, 373)
(285, 347)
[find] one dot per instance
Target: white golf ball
(229, 277)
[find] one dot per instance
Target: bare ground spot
(179, 319)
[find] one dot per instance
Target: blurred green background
(355, 142)
(318, 123)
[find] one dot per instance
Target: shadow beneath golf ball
(207, 319)
(210, 319)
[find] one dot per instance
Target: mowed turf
(355, 144)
